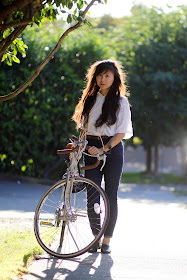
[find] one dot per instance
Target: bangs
(103, 68)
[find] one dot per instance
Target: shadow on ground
(95, 266)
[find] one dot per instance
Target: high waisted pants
(112, 173)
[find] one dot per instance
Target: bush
(37, 122)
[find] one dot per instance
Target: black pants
(112, 173)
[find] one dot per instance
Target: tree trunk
(155, 157)
(183, 149)
(148, 159)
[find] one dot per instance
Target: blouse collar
(100, 94)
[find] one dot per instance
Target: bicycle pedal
(46, 224)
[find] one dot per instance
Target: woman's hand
(95, 151)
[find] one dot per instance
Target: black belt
(98, 137)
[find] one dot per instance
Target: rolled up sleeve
(124, 122)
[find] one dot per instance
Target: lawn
(161, 178)
(180, 192)
(17, 249)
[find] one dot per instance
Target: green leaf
(4, 57)
(21, 49)
(15, 51)
(81, 13)
(80, 19)
(25, 46)
(8, 62)
(87, 22)
(20, 42)
(70, 5)
(69, 19)
(9, 57)
(15, 59)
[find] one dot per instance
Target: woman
(104, 112)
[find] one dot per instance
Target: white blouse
(122, 125)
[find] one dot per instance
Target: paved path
(149, 241)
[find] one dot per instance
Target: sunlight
(120, 8)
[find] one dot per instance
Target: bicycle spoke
(66, 235)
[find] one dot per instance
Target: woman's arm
(111, 143)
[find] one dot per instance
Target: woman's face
(104, 81)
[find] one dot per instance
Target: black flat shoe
(94, 248)
(105, 249)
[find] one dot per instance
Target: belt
(98, 137)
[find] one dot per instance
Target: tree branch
(11, 38)
(48, 58)
(17, 31)
(16, 6)
(15, 24)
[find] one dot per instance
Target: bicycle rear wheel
(67, 235)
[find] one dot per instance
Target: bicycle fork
(68, 212)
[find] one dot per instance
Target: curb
(22, 179)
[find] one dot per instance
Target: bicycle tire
(67, 239)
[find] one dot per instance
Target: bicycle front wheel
(69, 234)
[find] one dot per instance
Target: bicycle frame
(62, 217)
(71, 174)
(76, 151)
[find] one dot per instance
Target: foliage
(152, 48)
(160, 76)
(38, 123)
(13, 21)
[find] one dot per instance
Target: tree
(38, 122)
(14, 15)
(159, 80)
(106, 22)
(153, 48)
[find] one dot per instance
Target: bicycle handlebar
(90, 166)
(71, 150)
(67, 151)
(75, 149)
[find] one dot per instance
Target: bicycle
(72, 215)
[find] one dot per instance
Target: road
(149, 240)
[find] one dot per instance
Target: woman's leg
(92, 196)
(112, 175)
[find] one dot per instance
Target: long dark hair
(112, 99)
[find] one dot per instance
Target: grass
(161, 178)
(180, 192)
(17, 249)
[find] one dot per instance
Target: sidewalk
(149, 240)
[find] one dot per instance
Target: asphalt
(149, 241)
